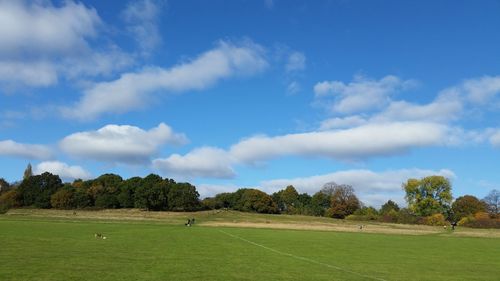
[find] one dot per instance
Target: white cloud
(361, 94)
(296, 62)
(340, 123)
(42, 42)
(63, 170)
(142, 19)
(373, 188)
(205, 162)
(95, 63)
(133, 90)
(447, 107)
(355, 143)
(30, 151)
(210, 190)
(481, 90)
(370, 140)
(28, 28)
(120, 144)
(37, 74)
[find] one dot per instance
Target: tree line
(108, 191)
(429, 199)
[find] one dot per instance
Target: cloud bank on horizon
(84, 93)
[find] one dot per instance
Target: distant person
(188, 223)
(453, 225)
(192, 221)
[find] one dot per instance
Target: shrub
(466, 220)
(436, 219)
(390, 216)
(407, 217)
(481, 216)
(364, 214)
(9, 199)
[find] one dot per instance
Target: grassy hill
(60, 245)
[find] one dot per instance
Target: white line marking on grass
(301, 258)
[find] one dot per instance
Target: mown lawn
(49, 249)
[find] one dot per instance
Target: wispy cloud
(22, 150)
(137, 89)
(362, 94)
(142, 19)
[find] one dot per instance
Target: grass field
(54, 246)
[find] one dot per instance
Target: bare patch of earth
(326, 227)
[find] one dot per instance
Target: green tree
(236, 200)
(152, 193)
(127, 192)
(110, 182)
(320, 202)
(9, 199)
(343, 201)
(365, 213)
(428, 196)
(224, 200)
(4, 185)
(37, 190)
(183, 197)
(81, 197)
(465, 206)
(63, 199)
(106, 201)
(304, 207)
(287, 200)
(389, 206)
(28, 172)
(254, 200)
(209, 203)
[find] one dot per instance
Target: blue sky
(229, 94)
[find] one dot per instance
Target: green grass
(62, 249)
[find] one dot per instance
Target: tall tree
(4, 185)
(183, 197)
(320, 202)
(492, 200)
(152, 193)
(37, 190)
(389, 206)
(429, 195)
(287, 199)
(28, 172)
(127, 192)
(254, 200)
(465, 206)
(343, 201)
